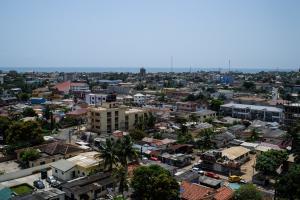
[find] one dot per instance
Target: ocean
(148, 69)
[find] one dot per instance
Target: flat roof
(63, 165)
(234, 152)
(252, 107)
(88, 159)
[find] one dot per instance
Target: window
(55, 170)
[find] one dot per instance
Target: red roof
(80, 111)
(63, 87)
(224, 193)
(192, 191)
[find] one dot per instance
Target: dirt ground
(248, 168)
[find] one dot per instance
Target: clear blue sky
(148, 32)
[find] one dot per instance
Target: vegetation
(118, 153)
(29, 112)
(137, 134)
(249, 85)
(154, 182)
(24, 134)
(22, 189)
(205, 140)
(288, 185)
(29, 155)
(247, 192)
(269, 161)
(215, 104)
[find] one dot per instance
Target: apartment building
(291, 114)
(113, 116)
(252, 112)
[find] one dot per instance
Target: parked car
(55, 184)
(212, 175)
(198, 170)
(234, 179)
(39, 184)
(50, 179)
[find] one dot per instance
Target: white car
(51, 179)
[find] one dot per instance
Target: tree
(288, 185)
(247, 192)
(108, 153)
(4, 125)
(269, 161)
(24, 134)
(205, 140)
(137, 134)
(29, 112)
(23, 96)
(215, 104)
(29, 155)
(249, 85)
(154, 182)
(47, 113)
(121, 174)
(125, 151)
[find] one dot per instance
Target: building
(51, 152)
(203, 115)
(139, 99)
(63, 170)
(252, 112)
(90, 187)
(46, 194)
(142, 72)
(226, 94)
(193, 191)
(186, 106)
(291, 114)
(95, 99)
(86, 162)
(236, 154)
(2, 78)
(112, 116)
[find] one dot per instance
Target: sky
(130, 33)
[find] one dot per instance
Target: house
(186, 106)
(89, 187)
(252, 112)
(63, 170)
(162, 144)
(178, 160)
(139, 98)
(222, 139)
(86, 162)
(46, 194)
(189, 176)
(192, 191)
(203, 115)
(51, 152)
(236, 154)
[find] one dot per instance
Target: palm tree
(125, 151)
(120, 173)
(108, 153)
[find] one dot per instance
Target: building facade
(291, 114)
(112, 116)
(252, 112)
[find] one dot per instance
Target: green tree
(215, 104)
(24, 134)
(29, 112)
(23, 96)
(125, 151)
(247, 192)
(47, 113)
(269, 161)
(154, 183)
(4, 125)
(108, 153)
(249, 85)
(29, 155)
(288, 185)
(120, 173)
(205, 140)
(137, 134)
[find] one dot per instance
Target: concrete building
(64, 170)
(139, 98)
(291, 114)
(112, 116)
(252, 112)
(186, 106)
(98, 99)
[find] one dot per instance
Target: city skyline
(140, 33)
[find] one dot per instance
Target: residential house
(89, 187)
(51, 152)
(46, 194)
(222, 139)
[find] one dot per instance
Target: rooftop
(252, 107)
(63, 165)
(233, 153)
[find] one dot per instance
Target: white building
(139, 99)
(2, 78)
(95, 99)
(64, 170)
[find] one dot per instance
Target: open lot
(9, 166)
(248, 168)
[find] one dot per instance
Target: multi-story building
(187, 106)
(112, 116)
(98, 99)
(139, 98)
(252, 112)
(291, 114)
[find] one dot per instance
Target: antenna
(171, 62)
(229, 66)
